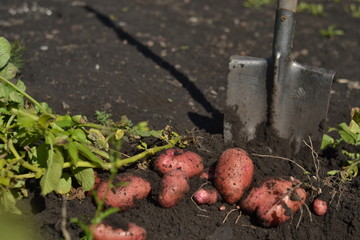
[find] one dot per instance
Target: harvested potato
(105, 232)
(190, 162)
(233, 174)
(173, 188)
(319, 207)
(206, 196)
(274, 201)
(127, 190)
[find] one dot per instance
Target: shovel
(286, 98)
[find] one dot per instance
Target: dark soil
(166, 61)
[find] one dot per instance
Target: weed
(257, 3)
(103, 117)
(311, 8)
(354, 10)
(331, 31)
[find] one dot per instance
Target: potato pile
(272, 201)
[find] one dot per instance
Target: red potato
(106, 232)
(319, 207)
(173, 188)
(274, 201)
(132, 189)
(233, 174)
(206, 196)
(190, 162)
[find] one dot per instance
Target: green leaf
(85, 177)
(25, 118)
(79, 135)
(50, 180)
(333, 172)
(348, 136)
(9, 71)
(45, 120)
(64, 121)
(326, 141)
(354, 127)
(14, 95)
(65, 184)
(45, 106)
(72, 152)
(4, 92)
(86, 152)
(39, 155)
(5, 51)
(8, 203)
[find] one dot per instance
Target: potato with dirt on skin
(173, 188)
(130, 189)
(233, 174)
(207, 196)
(190, 162)
(105, 232)
(319, 207)
(274, 201)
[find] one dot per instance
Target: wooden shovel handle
(287, 4)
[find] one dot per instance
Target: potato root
(274, 201)
(233, 174)
(190, 162)
(206, 196)
(173, 188)
(105, 232)
(319, 207)
(131, 189)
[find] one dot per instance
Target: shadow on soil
(213, 124)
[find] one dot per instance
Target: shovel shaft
(284, 33)
(287, 4)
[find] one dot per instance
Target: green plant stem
(36, 103)
(86, 164)
(27, 175)
(151, 151)
(98, 152)
(94, 125)
(10, 121)
(121, 162)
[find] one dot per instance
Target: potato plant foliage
(58, 150)
(349, 134)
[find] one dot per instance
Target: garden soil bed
(166, 61)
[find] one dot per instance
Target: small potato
(233, 174)
(173, 188)
(274, 201)
(105, 232)
(206, 196)
(190, 162)
(132, 188)
(319, 207)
